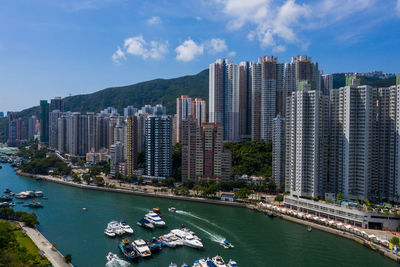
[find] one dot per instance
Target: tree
(86, 177)
(168, 182)
(243, 193)
(339, 196)
(279, 198)
(189, 183)
(93, 171)
(271, 186)
(140, 180)
(75, 177)
(118, 176)
(68, 258)
(367, 202)
(98, 181)
(154, 181)
(395, 241)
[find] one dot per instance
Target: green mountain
(158, 91)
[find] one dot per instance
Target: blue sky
(57, 48)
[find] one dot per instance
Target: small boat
(156, 210)
(185, 265)
(270, 214)
(232, 263)
(145, 223)
(7, 191)
(218, 261)
(110, 256)
(109, 232)
(154, 245)
(38, 178)
(35, 205)
(372, 245)
(309, 228)
(116, 228)
(226, 244)
(172, 209)
(126, 227)
(5, 198)
(45, 198)
(38, 194)
(85, 209)
(12, 204)
(172, 265)
(141, 247)
(128, 250)
(4, 204)
(20, 202)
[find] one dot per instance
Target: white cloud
(188, 50)
(277, 23)
(216, 45)
(118, 56)
(231, 54)
(199, 18)
(155, 20)
(137, 46)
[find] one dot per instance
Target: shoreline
(326, 229)
(52, 254)
(126, 191)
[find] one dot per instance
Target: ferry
(145, 223)
(128, 250)
(141, 247)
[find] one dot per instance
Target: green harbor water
(258, 239)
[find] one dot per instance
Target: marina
(283, 243)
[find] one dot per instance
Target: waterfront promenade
(135, 192)
(52, 254)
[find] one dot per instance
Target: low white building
(353, 216)
(228, 197)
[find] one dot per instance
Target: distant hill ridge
(158, 91)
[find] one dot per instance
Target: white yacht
(109, 232)
(124, 226)
(168, 241)
(115, 227)
(155, 219)
(218, 261)
(187, 238)
(141, 247)
(38, 194)
(172, 209)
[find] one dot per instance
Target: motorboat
(192, 242)
(7, 191)
(154, 245)
(185, 265)
(128, 250)
(226, 244)
(109, 232)
(145, 223)
(309, 228)
(20, 202)
(110, 256)
(5, 198)
(84, 209)
(156, 210)
(141, 247)
(126, 227)
(167, 240)
(34, 205)
(172, 209)
(116, 228)
(203, 263)
(218, 261)
(38, 178)
(4, 204)
(155, 219)
(38, 194)
(172, 265)
(232, 263)
(188, 239)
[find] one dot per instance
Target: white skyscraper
(306, 142)
(278, 151)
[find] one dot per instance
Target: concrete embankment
(52, 254)
(139, 193)
(347, 235)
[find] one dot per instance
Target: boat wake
(213, 236)
(198, 217)
(116, 262)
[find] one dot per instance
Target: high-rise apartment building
(326, 83)
(158, 148)
(53, 128)
(189, 133)
(116, 156)
(77, 134)
(56, 104)
(224, 97)
(245, 101)
(183, 111)
(306, 142)
(199, 110)
(255, 71)
(44, 122)
(33, 127)
(131, 144)
(278, 151)
(130, 111)
(301, 68)
(213, 162)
